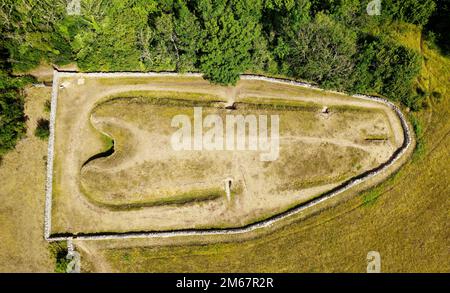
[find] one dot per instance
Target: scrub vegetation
(401, 54)
(332, 43)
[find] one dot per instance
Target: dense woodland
(333, 43)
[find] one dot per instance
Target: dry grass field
(405, 218)
(22, 185)
(143, 184)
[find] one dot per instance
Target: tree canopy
(333, 43)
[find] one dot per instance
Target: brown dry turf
(405, 219)
(137, 187)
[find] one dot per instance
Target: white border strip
(165, 234)
(50, 155)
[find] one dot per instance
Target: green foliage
(10, 83)
(333, 43)
(413, 11)
(170, 41)
(329, 42)
(323, 52)
(342, 10)
(439, 26)
(389, 69)
(47, 106)
(58, 250)
(110, 35)
(42, 130)
(420, 142)
(12, 118)
(35, 31)
(285, 18)
(369, 197)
